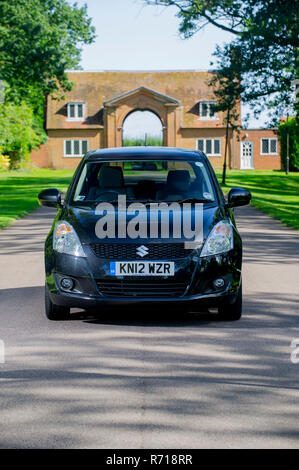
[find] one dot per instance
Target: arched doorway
(118, 109)
(142, 127)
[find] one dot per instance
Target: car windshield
(144, 180)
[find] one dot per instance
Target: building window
(269, 146)
(75, 148)
(211, 147)
(206, 110)
(76, 111)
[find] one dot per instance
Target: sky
(135, 36)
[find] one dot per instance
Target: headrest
(111, 177)
(178, 179)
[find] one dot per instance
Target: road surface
(130, 380)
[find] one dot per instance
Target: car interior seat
(177, 186)
(110, 184)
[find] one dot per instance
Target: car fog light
(67, 283)
(218, 283)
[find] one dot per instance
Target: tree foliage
(19, 133)
(266, 32)
(39, 40)
(290, 127)
(227, 87)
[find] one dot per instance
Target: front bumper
(88, 302)
(198, 274)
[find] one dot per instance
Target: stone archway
(141, 125)
(117, 109)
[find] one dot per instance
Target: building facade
(93, 114)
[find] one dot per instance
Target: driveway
(127, 380)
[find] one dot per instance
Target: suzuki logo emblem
(142, 251)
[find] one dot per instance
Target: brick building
(93, 114)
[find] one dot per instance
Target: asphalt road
(136, 380)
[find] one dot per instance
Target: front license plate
(141, 268)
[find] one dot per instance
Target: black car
(108, 246)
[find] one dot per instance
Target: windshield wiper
(191, 200)
(195, 199)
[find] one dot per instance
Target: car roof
(145, 153)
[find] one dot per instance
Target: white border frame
(204, 146)
(76, 118)
(261, 146)
(206, 118)
(252, 144)
(72, 144)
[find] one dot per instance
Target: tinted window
(162, 180)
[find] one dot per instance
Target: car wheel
(232, 311)
(55, 312)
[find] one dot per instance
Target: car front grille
(141, 287)
(128, 251)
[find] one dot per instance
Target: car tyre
(55, 312)
(233, 311)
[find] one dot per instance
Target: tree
(291, 128)
(18, 133)
(227, 90)
(266, 31)
(39, 40)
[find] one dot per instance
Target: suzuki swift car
(107, 248)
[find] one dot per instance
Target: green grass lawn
(19, 190)
(273, 192)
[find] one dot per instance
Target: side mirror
(238, 197)
(50, 197)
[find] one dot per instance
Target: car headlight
(220, 239)
(65, 240)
